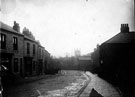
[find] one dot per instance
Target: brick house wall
(18, 61)
(16, 54)
(34, 57)
(40, 59)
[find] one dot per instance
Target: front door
(28, 66)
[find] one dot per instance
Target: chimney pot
(16, 26)
(124, 28)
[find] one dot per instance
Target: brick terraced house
(20, 52)
(11, 48)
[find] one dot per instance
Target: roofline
(18, 33)
(15, 32)
(110, 38)
(12, 30)
(133, 32)
(41, 46)
(26, 37)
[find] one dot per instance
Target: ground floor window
(21, 66)
(34, 65)
(16, 67)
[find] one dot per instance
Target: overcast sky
(65, 25)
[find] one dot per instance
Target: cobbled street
(57, 83)
(42, 86)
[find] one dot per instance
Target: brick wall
(9, 48)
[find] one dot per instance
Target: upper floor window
(15, 43)
(41, 53)
(28, 48)
(34, 48)
(3, 41)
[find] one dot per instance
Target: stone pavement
(101, 86)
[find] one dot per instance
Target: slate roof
(8, 28)
(26, 37)
(122, 38)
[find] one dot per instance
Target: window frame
(3, 40)
(15, 43)
(28, 48)
(34, 49)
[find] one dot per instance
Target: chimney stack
(16, 26)
(124, 28)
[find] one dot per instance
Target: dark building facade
(116, 57)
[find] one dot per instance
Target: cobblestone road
(42, 86)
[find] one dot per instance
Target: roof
(8, 28)
(30, 39)
(26, 37)
(84, 58)
(122, 38)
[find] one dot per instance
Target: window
(3, 41)
(41, 53)
(16, 67)
(34, 65)
(15, 43)
(33, 49)
(28, 48)
(21, 66)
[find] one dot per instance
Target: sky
(62, 26)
